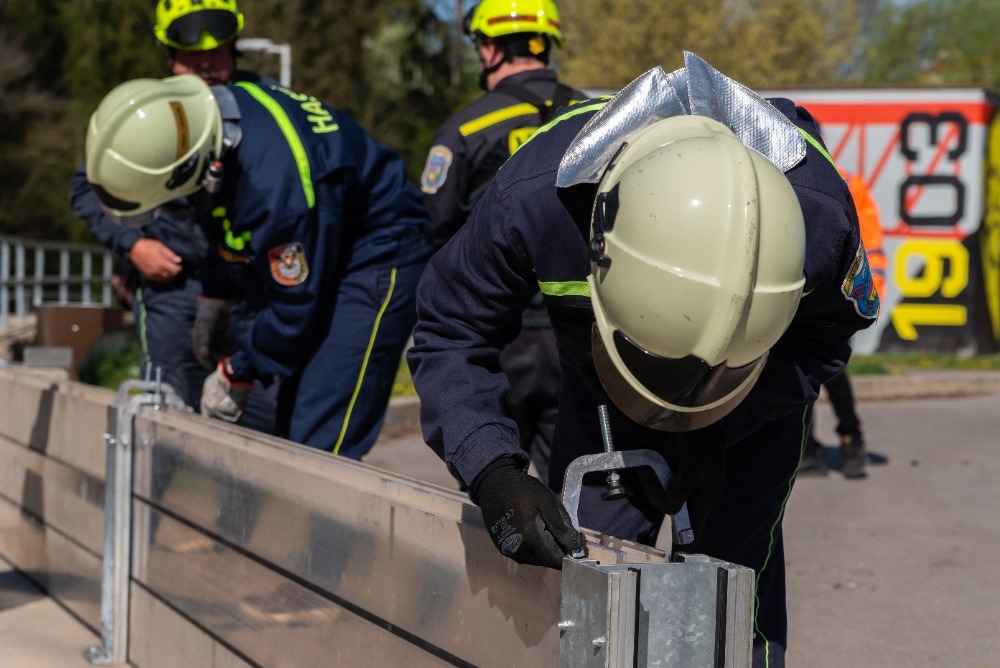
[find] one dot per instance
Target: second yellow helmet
(498, 18)
(197, 25)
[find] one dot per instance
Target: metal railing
(34, 271)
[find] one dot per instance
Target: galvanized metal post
(696, 612)
(37, 288)
(63, 276)
(88, 266)
(4, 282)
(107, 269)
(131, 397)
(19, 276)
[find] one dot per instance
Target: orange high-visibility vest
(871, 227)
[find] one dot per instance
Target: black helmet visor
(685, 383)
(219, 23)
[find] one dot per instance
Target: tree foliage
(761, 43)
(391, 63)
(936, 43)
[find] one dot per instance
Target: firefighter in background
(166, 248)
(333, 229)
(852, 443)
(620, 214)
(514, 40)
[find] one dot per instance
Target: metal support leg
(696, 612)
(131, 397)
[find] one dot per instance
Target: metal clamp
(615, 460)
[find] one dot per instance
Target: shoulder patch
(436, 169)
(288, 264)
(859, 287)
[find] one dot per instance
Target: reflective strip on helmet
(498, 116)
(564, 288)
(291, 136)
(508, 18)
(573, 110)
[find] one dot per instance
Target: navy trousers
(164, 315)
(337, 401)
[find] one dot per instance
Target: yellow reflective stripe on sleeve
(291, 136)
(498, 116)
(564, 288)
(364, 363)
(237, 243)
(143, 340)
(573, 111)
(816, 145)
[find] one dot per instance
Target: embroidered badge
(436, 169)
(859, 287)
(288, 264)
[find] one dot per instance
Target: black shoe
(852, 452)
(813, 461)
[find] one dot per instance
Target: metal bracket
(617, 460)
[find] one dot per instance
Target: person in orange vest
(852, 442)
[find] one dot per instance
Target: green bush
(113, 360)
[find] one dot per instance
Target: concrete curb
(403, 415)
(926, 384)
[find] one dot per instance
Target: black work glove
(697, 459)
(525, 519)
(208, 334)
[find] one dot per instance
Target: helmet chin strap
(487, 71)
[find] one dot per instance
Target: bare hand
(154, 260)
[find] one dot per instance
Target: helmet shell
(498, 18)
(168, 11)
(149, 141)
(706, 243)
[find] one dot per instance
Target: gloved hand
(222, 397)
(208, 335)
(525, 519)
(697, 459)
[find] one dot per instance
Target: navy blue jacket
(525, 232)
(311, 196)
(471, 146)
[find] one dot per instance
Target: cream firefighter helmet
(150, 141)
(697, 246)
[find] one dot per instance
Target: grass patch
(888, 364)
(403, 386)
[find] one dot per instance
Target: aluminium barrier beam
(229, 548)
